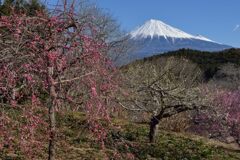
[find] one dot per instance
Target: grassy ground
(127, 140)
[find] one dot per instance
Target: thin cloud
(237, 27)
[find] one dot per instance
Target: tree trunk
(52, 120)
(52, 125)
(153, 128)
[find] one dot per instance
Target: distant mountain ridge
(156, 37)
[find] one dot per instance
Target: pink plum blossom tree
(52, 62)
(222, 120)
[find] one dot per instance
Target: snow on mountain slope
(156, 28)
(202, 38)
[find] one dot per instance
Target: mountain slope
(156, 37)
(155, 28)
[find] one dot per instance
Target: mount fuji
(156, 37)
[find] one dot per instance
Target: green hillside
(126, 139)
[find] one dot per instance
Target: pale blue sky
(218, 20)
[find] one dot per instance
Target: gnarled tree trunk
(153, 128)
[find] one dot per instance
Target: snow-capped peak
(203, 38)
(157, 28)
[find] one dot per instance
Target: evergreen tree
(30, 7)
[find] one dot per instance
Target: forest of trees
(29, 7)
(209, 62)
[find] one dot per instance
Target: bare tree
(227, 76)
(108, 29)
(163, 88)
